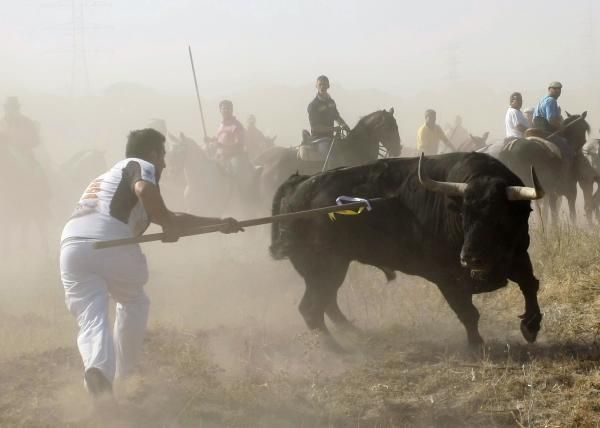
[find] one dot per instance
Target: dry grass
(228, 348)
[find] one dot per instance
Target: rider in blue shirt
(547, 117)
(547, 114)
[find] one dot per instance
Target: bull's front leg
(522, 274)
(460, 300)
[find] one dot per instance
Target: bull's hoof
(475, 340)
(530, 326)
(529, 335)
(477, 349)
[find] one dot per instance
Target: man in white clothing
(118, 204)
(515, 121)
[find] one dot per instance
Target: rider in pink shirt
(230, 135)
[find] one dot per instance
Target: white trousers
(89, 277)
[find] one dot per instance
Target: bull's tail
(278, 247)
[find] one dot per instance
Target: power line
(79, 27)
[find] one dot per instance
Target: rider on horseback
(322, 112)
(256, 141)
(547, 114)
(230, 147)
(17, 129)
(548, 119)
(515, 121)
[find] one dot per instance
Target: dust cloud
(226, 343)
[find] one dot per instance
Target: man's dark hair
(324, 79)
(141, 142)
(225, 103)
(515, 95)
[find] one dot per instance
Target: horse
(203, 184)
(474, 143)
(26, 197)
(558, 173)
(362, 145)
(588, 172)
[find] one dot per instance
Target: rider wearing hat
(17, 129)
(547, 114)
(547, 117)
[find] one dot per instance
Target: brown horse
(362, 145)
(202, 185)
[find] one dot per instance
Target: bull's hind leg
(461, 302)
(322, 283)
(335, 314)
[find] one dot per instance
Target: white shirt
(109, 207)
(513, 118)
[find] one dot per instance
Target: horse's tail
(278, 244)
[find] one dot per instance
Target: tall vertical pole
(197, 92)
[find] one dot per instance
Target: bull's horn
(520, 193)
(448, 188)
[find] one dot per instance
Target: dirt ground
(227, 347)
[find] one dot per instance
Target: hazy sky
(395, 46)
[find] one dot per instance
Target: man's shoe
(96, 383)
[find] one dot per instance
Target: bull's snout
(471, 260)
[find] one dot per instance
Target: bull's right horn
(448, 188)
(520, 193)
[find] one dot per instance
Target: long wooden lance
(197, 92)
(342, 209)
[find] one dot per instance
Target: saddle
(538, 136)
(313, 149)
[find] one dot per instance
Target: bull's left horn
(448, 188)
(520, 193)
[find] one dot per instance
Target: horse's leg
(571, 199)
(587, 187)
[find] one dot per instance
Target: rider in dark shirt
(322, 112)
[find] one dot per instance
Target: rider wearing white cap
(547, 114)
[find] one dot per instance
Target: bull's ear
(568, 114)
(583, 115)
(392, 111)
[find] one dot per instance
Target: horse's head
(576, 129)
(182, 151)
(474, 143)
(381, 127)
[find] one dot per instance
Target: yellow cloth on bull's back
(428, 139)
(346, 212)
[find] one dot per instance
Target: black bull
(467, 232)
